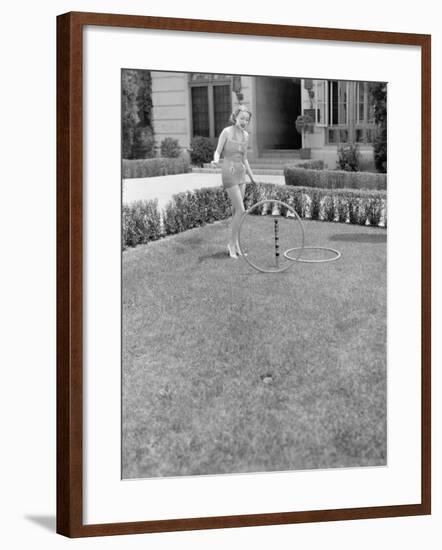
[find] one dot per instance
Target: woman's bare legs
(236, 195)
(242, 188)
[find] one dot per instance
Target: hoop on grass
(265, 228)
(336, 253)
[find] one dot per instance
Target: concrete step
(260, 165)
(278, 165)
(207, 169)
(278, 153)
(274, 160)
(264, 164)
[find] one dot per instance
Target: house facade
(342, 112)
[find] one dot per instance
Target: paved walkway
(164, 187)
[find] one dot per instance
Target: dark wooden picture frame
(70, 273)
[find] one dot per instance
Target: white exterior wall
(171, 107)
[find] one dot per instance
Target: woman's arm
(246, 162)
(249, 170)
(221, 142)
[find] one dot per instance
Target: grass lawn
(229, 370)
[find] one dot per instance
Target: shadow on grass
(215, 256)
(193, 240)
(359, 237)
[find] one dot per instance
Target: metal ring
(246, 258)
(298, 259)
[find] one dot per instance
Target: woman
(233, 142)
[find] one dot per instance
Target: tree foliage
(379, 92)
(136, 114)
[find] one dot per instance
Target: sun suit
(233, 169)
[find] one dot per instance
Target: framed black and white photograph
(234, 367)
(243, 286)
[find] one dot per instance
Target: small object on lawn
(165, 393)
(267, 378)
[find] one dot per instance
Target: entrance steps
(271, 162)
(280, 153)
(208, 169)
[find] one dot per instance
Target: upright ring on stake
(297, 220)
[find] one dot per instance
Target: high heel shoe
(232, 253)
(238, 251)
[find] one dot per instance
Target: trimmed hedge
(148, 168)
(334, 179)
(311, 165)
(140, 223)
(194, 208)
(142, 220)
(355, 206)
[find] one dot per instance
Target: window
(211, 97)
(348, 111)
(223, 107)
(338, 96)
(320, 91)
(200, 111)
(364, 119)
(338, 111)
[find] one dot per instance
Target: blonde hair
(240, 109)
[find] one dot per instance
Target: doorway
(278, 104)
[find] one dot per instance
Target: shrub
(379, 93)
(380, 150)
(334, 179)
(141, 223)
(170, 148)
(301, 203)
(136, 110)
(127, 142)
(194, 208)
(373, 210)
(315, 203)
(353, 211)
(144, 143)
(213, 203)
(352, 205)
(179, 165)
(328, 208)
(362, 214)
(348, 158)
(148, 168)
(341, 207)
(312, 165)
(201, 150)
(252, 195)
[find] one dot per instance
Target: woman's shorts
(233, 173)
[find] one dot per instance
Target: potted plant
(304, 125)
